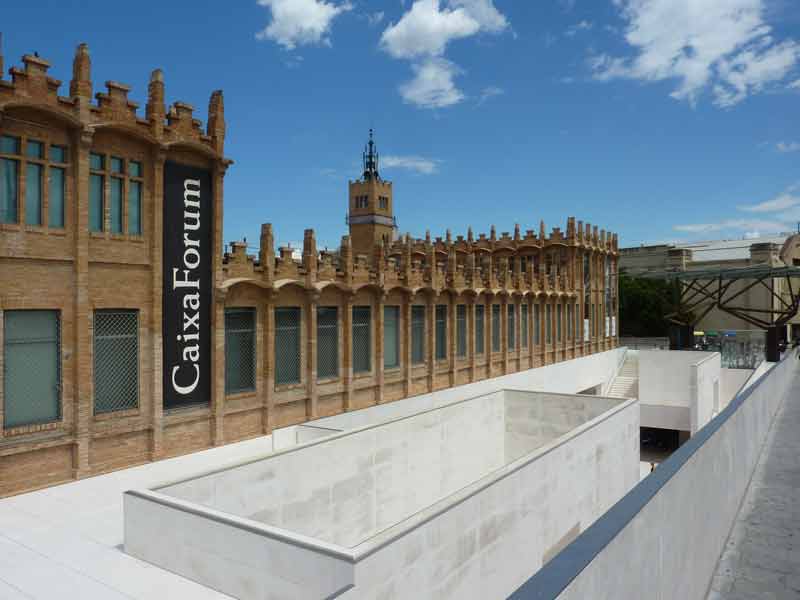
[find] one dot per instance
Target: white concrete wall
(485, 545)
(568, 377)
(477, 542)
(346, 488)
(531, 424)
(654, 550)
(665, 377)
(677, 388)
(225, 554)
(732, 380)
(705, 388)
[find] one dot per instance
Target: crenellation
(373, 267)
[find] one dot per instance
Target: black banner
(188, 245)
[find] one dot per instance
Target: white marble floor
(66, 541)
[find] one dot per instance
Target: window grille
(391, 337)
(480, 328)
(441, 331)
(116, 360)
(362, 339)
(524, 324)
(537, 325)
(240, 350)
(287, 345)
(512, 329)
(548, 323)
(327, 342)
(461, 330)
(417, 334)
(578, 329)
(495, 328)
(31, 367)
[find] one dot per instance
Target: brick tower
(370, 215)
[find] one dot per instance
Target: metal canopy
(703, 290)
(754, 272)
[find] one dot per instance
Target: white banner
(613, 326)
(608, 326)
(586, 337)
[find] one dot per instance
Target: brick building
(98, 275)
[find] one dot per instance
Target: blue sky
(657, 119)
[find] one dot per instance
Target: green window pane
(33, 194)
(391, 337)
(96, 203)
(461, 330)
(9, 176)
(134, 208)
(116, 165)
(287, 345)
(32, 367)
(480, 329)
(495, 328)
(362, 339)
(9, 145)
(55, 217)
(558, 322)
(524, 325)
(512, 327)
(548, 324)
(441, 331)
(537, 333)
(240, 350)
(134, 168)
(327, 342)
(58, 154)
(116, 360)
(34, 149)
(417, 334)
(569, 321)
(96, 161)
(115, 205)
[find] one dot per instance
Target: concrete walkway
(66, 541)
(761, 560)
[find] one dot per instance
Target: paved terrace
(761, 560)
(66, 541)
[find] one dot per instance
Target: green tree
(643, 304)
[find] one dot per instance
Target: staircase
(626, 383)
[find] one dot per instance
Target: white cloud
(300, 22)
(485, 13)
(578, 27)
(781, 202)
(422, 35)
(433, 84)
(782, 212)
(418, 164)
(732, 225)
(787, 146)
(375, 18)
(721, 45)
(426, 29)
(490, 92)
(795, 85)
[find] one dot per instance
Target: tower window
(362, 201)
(384, 202)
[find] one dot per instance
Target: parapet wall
(663, 539)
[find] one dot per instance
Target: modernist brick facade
(530, 278)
